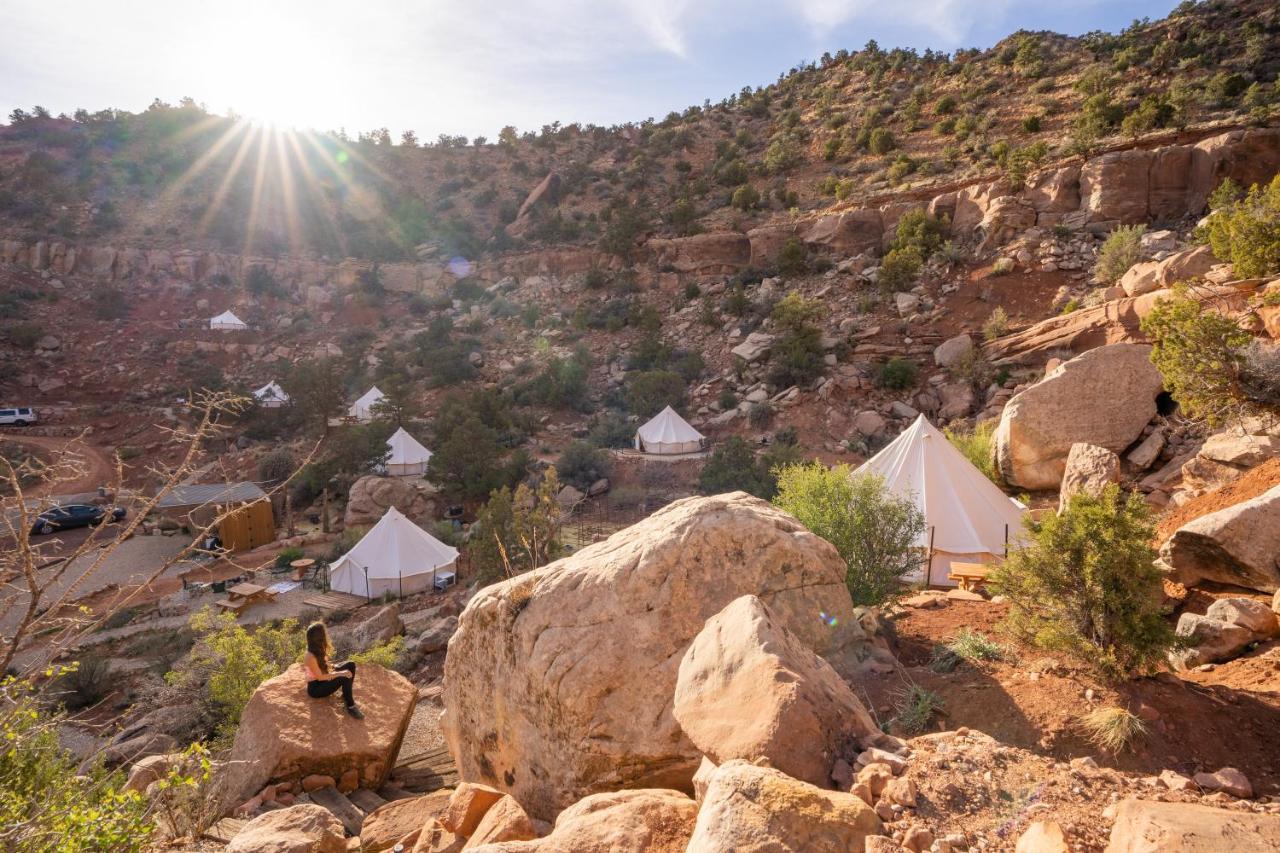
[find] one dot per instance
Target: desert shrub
(86, 683)
(109, 303)
(1086, 584)
(387, 655)
(260, 282)
(1031, 124)
(975, 445)
(1200, 354)
(945, 105)
(966, 645)
(582, 464)
(733, 466)
(881, 141)
(899, 269)
(1121, 250)
(48, 803)
(917, 709)
(745, 197)
(1246, 231)
(1260, 375)
(610, 429)
(797, 353)
(277, 466)
(898, 373)
(228, 662)
(288, 555)
(875, 532)
(760, 415)
(23, 335)
(650, 391)
(996, 325)
(1112, 729)
(792, 258)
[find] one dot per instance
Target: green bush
(288, 555)
(1086, 584)
(277, 466)
(23, 335)
(733, 466)
(650, 391)
(997, 325)
(1201, 356)
(898, 373)
(875, 532)
(1031, 124)
(881, 141)
(899, 269)
(975, 445)
(1120, 251)
(1246, 231)
(797, 356)
(745, 197)
(228, 662)
(582, 464)
(792, 258)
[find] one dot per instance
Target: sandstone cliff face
(559, 683)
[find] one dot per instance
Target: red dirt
(1203, 721)
(1247, 486)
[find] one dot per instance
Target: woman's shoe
(355, 712)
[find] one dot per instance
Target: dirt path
(99, 469)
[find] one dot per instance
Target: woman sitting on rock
(320, 681)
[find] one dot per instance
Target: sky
(471, 66)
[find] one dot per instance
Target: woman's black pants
(321, 689)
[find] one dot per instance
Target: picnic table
(300, 567)
(969, 576)
(242, 595)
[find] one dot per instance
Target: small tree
(517, 532)
(316, 391)
(1087, 585)
(797, 355)
(582, 464)
(875, 532)
(650, 391)
(1200, 353)
(792, 258)
(975, 445)
(1121, 250)
(1246, 231)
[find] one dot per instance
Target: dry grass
(1112, 729)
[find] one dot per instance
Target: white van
(20, 416)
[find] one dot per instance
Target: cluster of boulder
(1227, 628)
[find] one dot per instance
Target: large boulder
(285, 735)
(1245, 612)
(1247, 157)
(757, 346)
(383, 827)
(749, 689)
(1143, 826)
(750, 808)
(305, 828)
(702, 254)
(1104, 397)
(1114, 186)
(1207, 640)
(1150, 276)
(1235, 545)
(850, 232)
(371, 496)
(377, 627)
(648, 820)
(1090, 469)
(559, 682)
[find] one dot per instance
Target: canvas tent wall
(968, 519)
(271, 396)
(667, 433)
(227, 322)
(362, 409)
(396, 556)
(408, 457)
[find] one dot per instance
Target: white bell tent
(271, 396)
(362, 409)
(227, 322)
(968, 519)
(396, 556)
(667, 434)
(408, 457)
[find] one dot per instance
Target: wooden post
(324, 510)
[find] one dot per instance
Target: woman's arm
(314, 673)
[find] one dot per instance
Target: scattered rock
(387, 824)
(952, 350)
(1236, 545)
(1043, 836)
(304, 828)
(1228, 780)
(505, 820)
(1142, 826)
(1090, 469)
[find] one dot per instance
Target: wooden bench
(234, 606)
(242, 595)
(969, 576)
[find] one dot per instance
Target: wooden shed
(251, 521)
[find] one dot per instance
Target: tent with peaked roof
(362, 409)
(408, 457)
(667, 433)
(968, 519)
(227, 322)
(395, 556)
(271, 396)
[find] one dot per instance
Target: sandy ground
(96, 467)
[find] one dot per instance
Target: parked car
(18, 416)
(75, 515)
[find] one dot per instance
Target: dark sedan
(75, 515)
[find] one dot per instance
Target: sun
(271, 70)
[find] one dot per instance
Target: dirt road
(98, 468)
